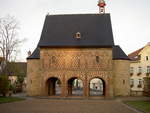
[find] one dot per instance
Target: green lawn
(141, 105)
(9, 99)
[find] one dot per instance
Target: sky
(130, 19)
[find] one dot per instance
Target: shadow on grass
(10, 99)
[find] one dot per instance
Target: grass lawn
(9, 99)
(141, 105)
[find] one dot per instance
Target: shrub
(4, 85)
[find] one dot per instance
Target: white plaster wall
(141, 63)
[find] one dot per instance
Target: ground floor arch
(75, 87)
(53, 86)
(97, 87)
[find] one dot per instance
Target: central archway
(53, 86)
(97, 87)
(75, 87)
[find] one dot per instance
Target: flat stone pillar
(51, 88)
(85, 89)
(69, 89)
(64, 91)
(44, 89)
(107, 92)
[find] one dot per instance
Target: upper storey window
(139, 70)
(131, 83)
(148, 69)
(140, 83)
(139, 57)
(131, 70)
(147, 58)
(97, 59)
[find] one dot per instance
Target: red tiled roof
(134, 55)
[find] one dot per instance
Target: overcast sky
(130, 19)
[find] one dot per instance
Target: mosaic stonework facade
(82, 63)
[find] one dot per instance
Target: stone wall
(83, 63)
(76, 59)
(121, 78)
(33, 77)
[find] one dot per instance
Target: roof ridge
(133, 55)
(137, 51)
(76, 14)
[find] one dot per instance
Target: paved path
(65, 106)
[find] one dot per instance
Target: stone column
(108, 89)
(51, 88)
(64, 91)
(106, 92)
(69, 89)
(43, 87)
(86, 88)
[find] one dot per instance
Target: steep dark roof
(35, 54)
(59, 31)
(95, 29)
(118, 54)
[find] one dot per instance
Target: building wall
(147, 86)
(33, 77)
(65, 63)
(135, 77)
(121, 78)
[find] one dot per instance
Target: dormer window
(78, 35)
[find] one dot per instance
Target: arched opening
(53, 86)
(75, 87)
(97, 87)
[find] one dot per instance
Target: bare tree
(8, 39)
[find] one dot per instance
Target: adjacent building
(139, 68)
(17, 69)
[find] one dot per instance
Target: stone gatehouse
(78, 46)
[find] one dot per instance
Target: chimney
(29, 53)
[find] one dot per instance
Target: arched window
(97, 59)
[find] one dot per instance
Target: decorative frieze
(76, 59)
